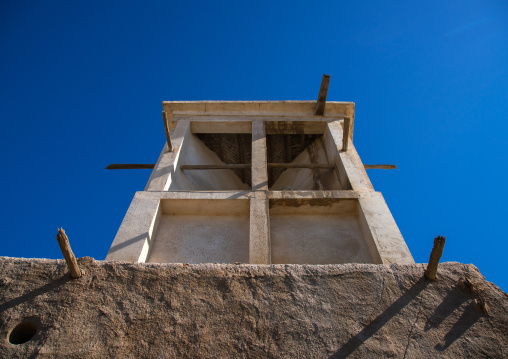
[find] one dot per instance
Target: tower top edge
(259, 107)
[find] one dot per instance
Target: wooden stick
(345, 135)
(130, 166)
(300, 165)
(65, 247)
(435, 256)
(167, 130)
(242, 166)
(323, 93)
(215, 167)
(382, 167)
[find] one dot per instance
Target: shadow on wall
(30, 296)
(450, 303)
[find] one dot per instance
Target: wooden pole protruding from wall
(345, 135)
(435, 256)
(167, 130)
(323, 93)
(215, 167)
(65, 247)
(130, 166)
(382, 167)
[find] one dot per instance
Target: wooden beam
(232, 166)
(130, 166)
(435, 256)
(167, 130)
(323, 93)
(242, 166)
(345, 135)
(300, 165)
(382, 167)
(65, 247)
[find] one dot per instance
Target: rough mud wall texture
(129, 310)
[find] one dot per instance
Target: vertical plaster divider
(152, 232)
(134, 237)
(259, 239)
(259, 157)
(161, 176)
(380, 230)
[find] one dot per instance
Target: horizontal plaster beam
(273, 125)
(344, 194)
(293, 108)
(233, 166)
(247, 194)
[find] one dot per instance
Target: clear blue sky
(81, 86)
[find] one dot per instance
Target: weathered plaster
(162, 174)
(317, 233)
(202, 231)
(288, 223)
(310, 179)
(377, 223)
(132, 310)
(195, 152)
(132, 241)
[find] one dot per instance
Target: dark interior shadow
(354, 342)
(466, 321)
(35, 293)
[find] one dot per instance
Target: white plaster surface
(202, 231)
(211, 216)
(309, 234)
(348, 162)
(259, 157)
(310, 179)
(132, 241)
(259, 238)
(381, 231)
(290, 109)
(195, 152)
(201, 239)
(260, 242)
(162, 175)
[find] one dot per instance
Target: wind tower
(259, 182)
